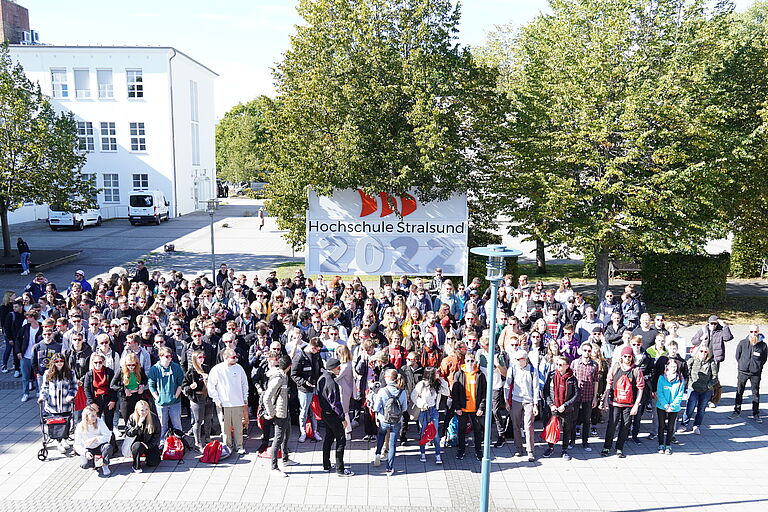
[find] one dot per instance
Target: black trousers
(104, 410)
(282, 432)
(334, 432)
(618, 417)
(582, 415)
(500, 412)
(477, 431)
(128, 404)
(152, 454)
(741, 386)
(666, 426)
(566, 428)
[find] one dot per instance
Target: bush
(685, 279)
(479, 238)
(747, 253)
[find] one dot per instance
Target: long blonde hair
(150, 426)
(87, 412)
(343, 354)
(130, 357)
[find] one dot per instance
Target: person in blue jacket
(670, 389)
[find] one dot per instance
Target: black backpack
(393, 410)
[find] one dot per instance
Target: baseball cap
(521, 354)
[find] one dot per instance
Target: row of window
(111, 184)
(108, 136)
(104, 84)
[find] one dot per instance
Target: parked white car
(75, 220)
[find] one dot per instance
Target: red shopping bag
(551, 433)
(429, 434)
(80, 400)
(308, 430)
(315, 406)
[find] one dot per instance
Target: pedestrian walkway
(720, 470)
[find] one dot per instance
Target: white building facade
(145, 118)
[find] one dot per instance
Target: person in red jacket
(562, 392)
(625, 393)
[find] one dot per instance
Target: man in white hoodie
(228, 387)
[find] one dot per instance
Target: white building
(145, 117)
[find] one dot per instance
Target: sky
(241, 40)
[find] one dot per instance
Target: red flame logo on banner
(370, 205)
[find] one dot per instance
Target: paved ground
(721, 470)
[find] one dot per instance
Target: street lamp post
(210, 208)
(495, 273)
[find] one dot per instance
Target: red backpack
(624, 387)
(211, 453)
(174, 449)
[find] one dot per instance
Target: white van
(77, 220)
(147, 206)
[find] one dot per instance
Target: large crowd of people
(144, 356)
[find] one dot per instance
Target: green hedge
(747, 253)
(685, 279)
(479, 238)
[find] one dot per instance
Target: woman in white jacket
(426, 397)
(92, 439)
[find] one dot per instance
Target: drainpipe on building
(173, 136)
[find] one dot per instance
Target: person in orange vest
(468, 394)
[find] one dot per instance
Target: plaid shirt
(585, 371)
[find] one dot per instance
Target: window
(88, 176)
(108, 137)
(59, 81)
(111, 188)
(194, 114)
(138, 139)
(82, 83)
(86, 140)
(104, 78)
(135, 83)
(195, 144)
(140, 181)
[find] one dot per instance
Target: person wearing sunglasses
(703, 376)
(129, 383)
(751, 354)
(165, 379)
(98, 390)
(561, 392)
(625, 394)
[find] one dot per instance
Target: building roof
(107, 47)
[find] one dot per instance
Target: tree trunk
(6, 228)
(601, 272)
(541, 260)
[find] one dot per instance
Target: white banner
(355, 233)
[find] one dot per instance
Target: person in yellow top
(468, 394)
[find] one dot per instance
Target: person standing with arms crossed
(329, 394)
(751, 354)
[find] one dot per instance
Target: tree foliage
(616, 143)
(378, 94)
(39, 159)
(240, 138)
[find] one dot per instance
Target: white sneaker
(423, 458)
(302, 437)
(278, 474)
(62, 449)
(696, 430)
(290, 462)
(438, 459)
(25, 273)
(377, 460)
(24, 397)
(65, 444)
(16, 374)
(105, 470)
(4, 369)
(317, 436)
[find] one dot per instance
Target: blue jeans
(394, 432)
(699, 402)
(305, 400)
(24, 260)
(170, 412)
(26, 374)
(431, 415)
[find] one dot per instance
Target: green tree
(611, 147)
(378, 94)
(240, 138)
(39, 157)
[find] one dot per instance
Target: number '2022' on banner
(351, 232)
